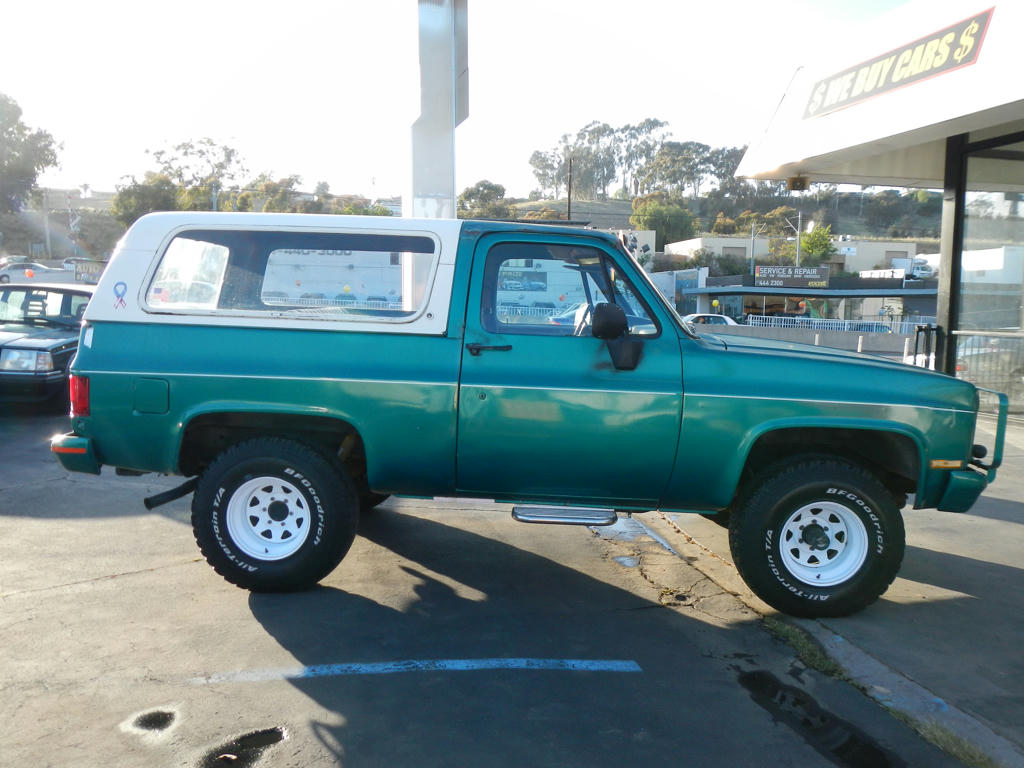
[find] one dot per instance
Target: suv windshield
(659, 296)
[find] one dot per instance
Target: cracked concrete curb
(879, 681)
(894, 691)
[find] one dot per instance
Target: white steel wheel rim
(823, 543)
(268, 518)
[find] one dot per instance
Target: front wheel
(817, 537)
(272, 514)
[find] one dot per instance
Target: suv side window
(313, 275)
(551, 289)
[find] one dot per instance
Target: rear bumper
(75, 453)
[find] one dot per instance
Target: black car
(39, 327)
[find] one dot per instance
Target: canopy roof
(879, 109)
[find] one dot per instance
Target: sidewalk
(943, 645)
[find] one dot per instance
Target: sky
(328, 91)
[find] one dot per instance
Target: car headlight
(25, 360)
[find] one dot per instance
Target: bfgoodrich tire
(817, 537)
(274, 515)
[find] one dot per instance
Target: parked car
(39, 328)
(19, 271)
(11, 259)
(709, 319)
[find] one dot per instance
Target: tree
(670, 221)
(156, 192)
(723, 225)
(364, 210)
(722, 165)
(278, 195)
(638, 145)
(24, 154)
(718, 266)
(203, 170)
(678, 167)
(484, 200)
(778, 221)
(545, 213)
(98, 233)
(817, 245)
(546, 167)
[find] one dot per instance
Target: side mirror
(609, 322)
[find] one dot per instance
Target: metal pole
(752, 248)
(799, 230)
(568, 210)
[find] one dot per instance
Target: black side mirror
(611, 325)
(609, 322)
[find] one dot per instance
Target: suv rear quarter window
(303, 274)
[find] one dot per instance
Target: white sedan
(708, 319)
(27, 271)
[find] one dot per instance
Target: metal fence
(993, 362)
(864, 325)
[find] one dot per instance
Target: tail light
(79, 391)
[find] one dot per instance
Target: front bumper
(75, 453)
(965, 486)
(963, 489)
(1000, 441)
(31, 387)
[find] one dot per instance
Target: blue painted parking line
(421, 665)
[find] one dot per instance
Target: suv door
(543, 413)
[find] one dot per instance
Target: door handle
(476, 349)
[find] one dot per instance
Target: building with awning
(930, 97)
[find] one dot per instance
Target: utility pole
(754, 233)
(798, 229)
(799, 234)
(568, 211)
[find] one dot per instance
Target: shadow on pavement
(686, 707)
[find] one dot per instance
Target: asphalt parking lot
(450, 636)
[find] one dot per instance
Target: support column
(951, 253)
(444, 103)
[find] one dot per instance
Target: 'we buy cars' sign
(956, 46)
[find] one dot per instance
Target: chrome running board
(565, 515)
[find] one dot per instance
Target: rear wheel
(272, 514)
(817, 537)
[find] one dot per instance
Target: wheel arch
(893, 455)
(208, 434)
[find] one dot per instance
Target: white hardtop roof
(878, 108)
(151, 230)
(39, 284)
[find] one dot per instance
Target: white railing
(864, 325)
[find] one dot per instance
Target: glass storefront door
(989, 339)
